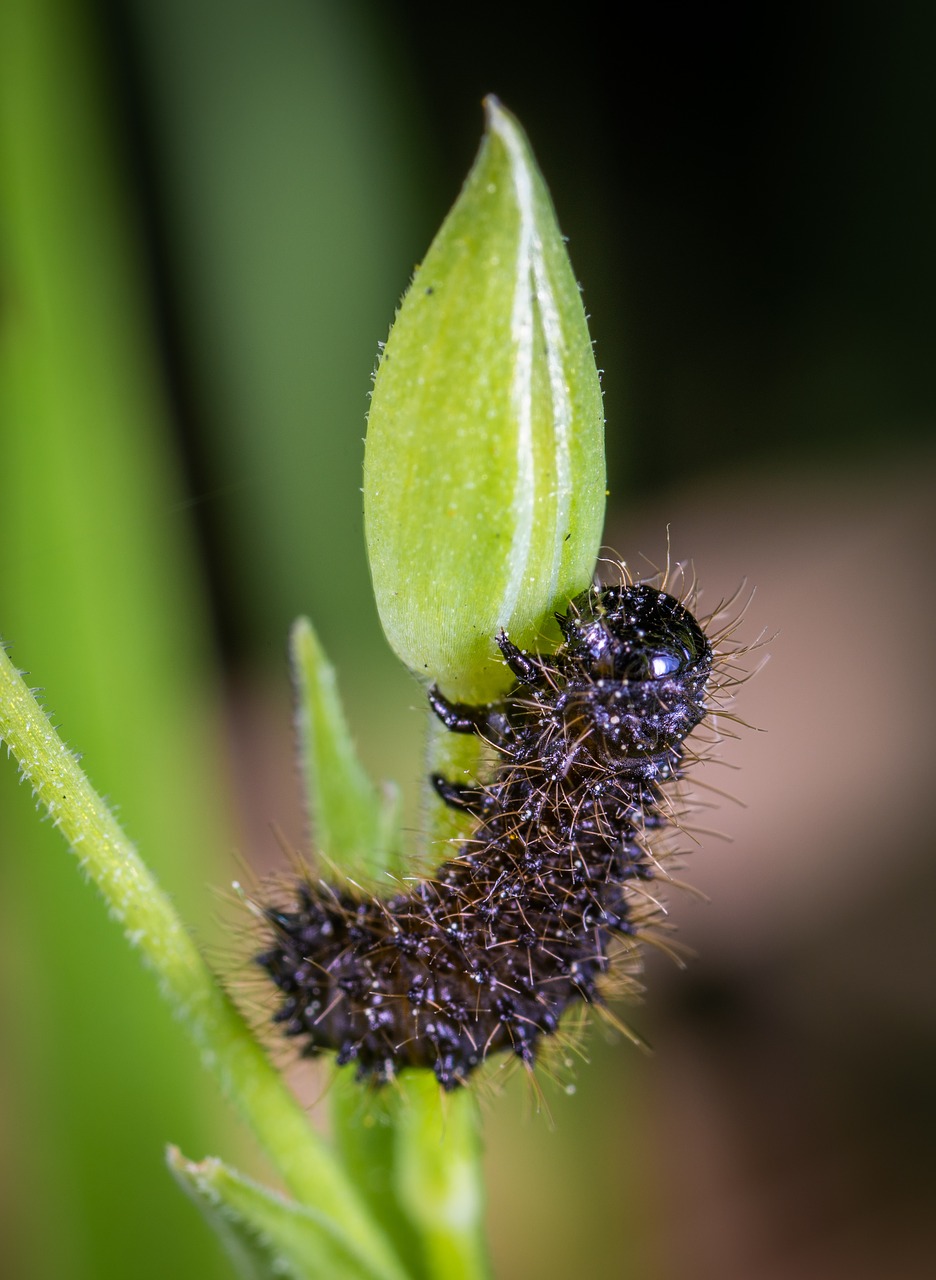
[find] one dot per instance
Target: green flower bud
(484, 482)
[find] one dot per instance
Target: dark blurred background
(750, 201)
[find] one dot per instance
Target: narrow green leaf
(267, 1236)
(149, 920)
(356, 827)
(484, 480)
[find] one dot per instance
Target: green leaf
(266, 1235)
(152, 925)
(356, 827)
(484, 482)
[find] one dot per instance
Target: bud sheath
(484, 480)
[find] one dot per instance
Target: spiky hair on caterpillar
(549, 893)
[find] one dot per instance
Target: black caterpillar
(487, 954)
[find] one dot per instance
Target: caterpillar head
(636, 664)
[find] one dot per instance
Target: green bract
(484, 482)
(357, 827)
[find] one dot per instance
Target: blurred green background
(208, 212)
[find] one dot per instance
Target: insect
(526, 920)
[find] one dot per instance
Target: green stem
(439, 1135)
(224, 1040)
(439, 1176)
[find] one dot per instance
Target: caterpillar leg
(487, 721)
(521, 664)
(457, 717)
(462, 795)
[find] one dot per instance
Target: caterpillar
(526, 920)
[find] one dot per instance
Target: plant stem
(226, 1045)
(439, 1175)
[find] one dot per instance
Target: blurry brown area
(784, 1125)
(794, 1115)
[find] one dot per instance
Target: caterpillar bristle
(541, 912)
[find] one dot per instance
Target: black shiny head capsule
(637, 663)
